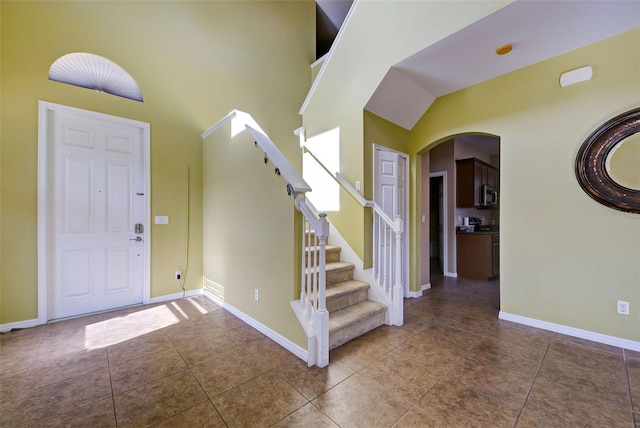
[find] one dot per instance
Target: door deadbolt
(139, 228)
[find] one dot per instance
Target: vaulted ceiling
(537, 29)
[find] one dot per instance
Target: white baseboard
(416, 294)
(572, 331)
(451, 274)
(4, 328)
(174, 296)
(276, 337)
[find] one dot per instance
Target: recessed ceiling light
(504, 49)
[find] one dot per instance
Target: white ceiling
(537, 29)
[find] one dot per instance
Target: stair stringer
(347, 254)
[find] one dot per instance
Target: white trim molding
(176, 296)
(276, 337)
(416, 294)
(571, 331)
(451, 274)
(5, 328)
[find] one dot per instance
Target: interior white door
(390, 193)
(97, 198)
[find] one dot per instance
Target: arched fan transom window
(95, 72)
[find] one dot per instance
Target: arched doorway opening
(459, 226)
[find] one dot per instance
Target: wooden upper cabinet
(471, 174)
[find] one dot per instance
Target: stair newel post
(398, 303)
(321, 314)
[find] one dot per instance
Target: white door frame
(445, 223)
(44, 214)
(405, 232)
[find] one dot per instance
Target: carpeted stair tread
(336, 267)
(346, 287)
(353, 314)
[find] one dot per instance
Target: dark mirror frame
(591, 170)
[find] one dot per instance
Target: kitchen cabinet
(478, 255)
(471, 175)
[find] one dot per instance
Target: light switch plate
(162, 219)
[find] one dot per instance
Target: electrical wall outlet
(256, 294)
(178, 274)
(623, 307)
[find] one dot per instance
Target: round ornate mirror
(608, 163)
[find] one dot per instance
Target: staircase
(351, 313)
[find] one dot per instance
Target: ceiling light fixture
(578, 75)
(504, 49)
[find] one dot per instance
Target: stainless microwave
(489, 196)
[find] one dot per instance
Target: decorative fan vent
(95, 72)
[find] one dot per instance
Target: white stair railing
(387, 249)
(311, 309)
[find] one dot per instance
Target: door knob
(137, 239)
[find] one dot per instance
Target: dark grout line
(535, 377)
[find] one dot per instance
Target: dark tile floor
(189, 363)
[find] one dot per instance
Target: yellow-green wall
(565, 259)
(194, 61)
(377, 35)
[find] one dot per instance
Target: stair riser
(344, 301)
(334, 277)
(342, 336)
(330, 257)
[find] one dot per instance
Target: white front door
(391, 194)
(96, 193)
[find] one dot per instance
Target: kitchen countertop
(480, 232)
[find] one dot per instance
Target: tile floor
(189, 363)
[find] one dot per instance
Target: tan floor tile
(260, 402)
(89, 325)
(51, 370)
(194, 329)
(494, 379)
(306, 416)
(11, 385)
(387, 337)
(228, 371)
(572, 377)
(62, 343)
(313, 381)
(586, 357)
(204, 415)
(401, 376)
(556, 408)
(18, 349)
(246, 334)
(228, 321)
(357, 353)
(633, 368)
(60, 398)
(361, 402)
(159, 400)
(99, 414)
(418, 418)
(629, 354)
(200, 350)
(451, 333)
(150, 343)
(431, 351)
(588, 343)
(461, 405)
(270, 352)
(524, 356)
(145, 369)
